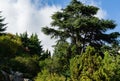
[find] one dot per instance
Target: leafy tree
(2, 25)
(50, 71)
(91, 67)
(87, 67)
(61, 59)
(46, 76)
(111, 66)
(46, 54)
(28, 65)
(14, 56)
(78, 23)
(9, 46)
(56, 64)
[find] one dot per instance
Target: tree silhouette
(2, 25)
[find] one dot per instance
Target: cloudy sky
(31, 15)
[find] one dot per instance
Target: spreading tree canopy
(78, 23)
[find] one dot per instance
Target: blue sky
(32, 15)
(112, 7)
(62, 3)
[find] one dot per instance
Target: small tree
(87, 67)
(91, 67)
(31, 44)
(61, 59)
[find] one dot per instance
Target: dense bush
(45, 75)
(91, 67)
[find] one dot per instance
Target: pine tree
(2, 25)
(78, 23)
(31, 44)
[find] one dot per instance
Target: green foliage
(91, 67)
(61, 59)
(45, 54)
(47, 64)
(31, 44)
(13, 55)
(27, 65)
(85, 67)
(2, 25)
(58, 64)
(45, 75)
(9, 45)
(111, 67)
(78, 23)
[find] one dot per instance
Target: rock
(25, 79)
(18, 76)
(14, 76)
(6, 75)
(11, 77)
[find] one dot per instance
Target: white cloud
(22, 15)
(102, 14)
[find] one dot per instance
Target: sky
(32, 15)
